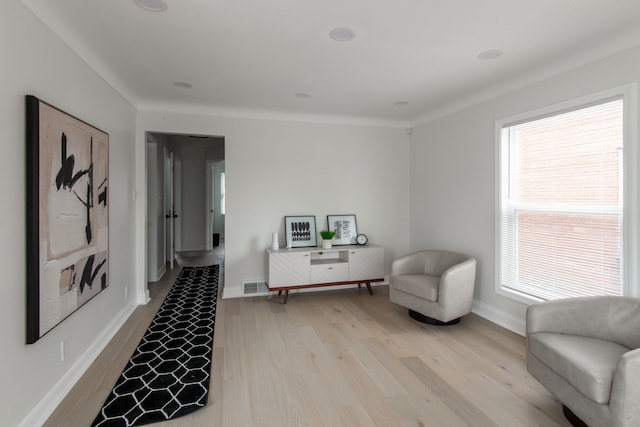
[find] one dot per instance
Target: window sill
(517, 296)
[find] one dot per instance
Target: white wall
(278, 168)
(453, 162)
(195, 157)
(35, 62)
(194, 179)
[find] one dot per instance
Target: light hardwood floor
(338, 358)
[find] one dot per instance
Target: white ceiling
(249, 57)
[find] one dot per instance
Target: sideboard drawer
(329, 273)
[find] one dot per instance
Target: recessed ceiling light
(303, 95)
(152, 5)
(342, 34)
(184, 85)
(401, 103)
(488, 55)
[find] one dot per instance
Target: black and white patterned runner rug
(168, 375)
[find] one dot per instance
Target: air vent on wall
(255, 288)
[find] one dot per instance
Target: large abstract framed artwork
(67, 215)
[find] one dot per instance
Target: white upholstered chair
(436, 286)
(586, 351)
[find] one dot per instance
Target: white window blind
(561, 203)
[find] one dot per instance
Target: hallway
(189, 259)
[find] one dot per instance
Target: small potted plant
(327, 237)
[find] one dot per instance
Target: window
(561, 202)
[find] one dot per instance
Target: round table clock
(362, 239)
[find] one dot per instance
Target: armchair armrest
(625, 390)
(457, 285)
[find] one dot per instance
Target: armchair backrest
(612, 318)
(435, 263)
(431, 262)
(624, 321)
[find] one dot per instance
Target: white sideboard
(299, 268)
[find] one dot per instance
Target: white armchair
(586, 351)
(436, 286)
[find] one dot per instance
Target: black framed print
(67, 215)
(345, 228)
(300, 231)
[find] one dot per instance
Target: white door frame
(177, 203)
(209, 205)
(170, 214)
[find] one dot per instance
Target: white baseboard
(43, 409)
(143, 298)
(237, 292)
(499, 317)
(231, 293)
(161, 270)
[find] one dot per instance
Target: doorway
(215, 202)
(183, 173)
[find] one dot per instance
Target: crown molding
(597, 51)
(256, 114)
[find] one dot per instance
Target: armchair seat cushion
(588, 364)
(420, 285)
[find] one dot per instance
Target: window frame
(630, 220)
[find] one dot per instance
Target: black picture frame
(300, 231)
(345, 227)
(67, 215)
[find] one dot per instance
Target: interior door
(177, 203)
(170, 213)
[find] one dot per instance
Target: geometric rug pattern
(168, 374)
